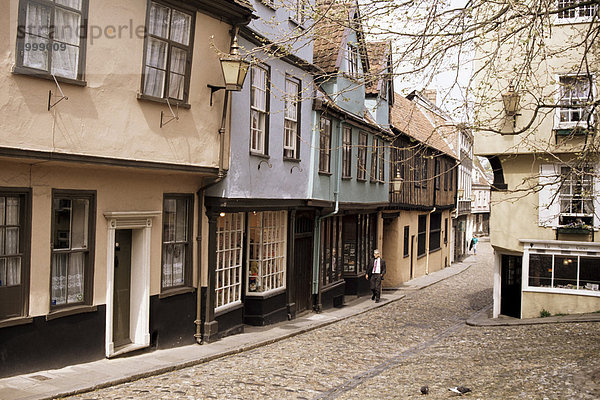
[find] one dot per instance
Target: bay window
(267, 233)
(325, 145)
(73, 217)
(51, 38)
(168, 52)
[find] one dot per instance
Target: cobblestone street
(390, 352)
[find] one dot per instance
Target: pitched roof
(378, 53)
(243, 3)
(407, 117)
(332, 27)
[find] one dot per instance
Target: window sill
(160, 100)
(571, 131)
(176, 291)
(361, 180)
(15, 321)
(292, 160)
(228, 308)
(435, 250)
(297, 23)
(266, 295)
(405, 255)
(325, 173)
(260, 155)
(421, 256)
(44, 75)
(65, 312)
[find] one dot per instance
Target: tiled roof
(243, 3)
(378, 54)
(408, 118)
(330, 29)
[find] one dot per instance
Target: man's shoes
(373, 297)
(376, 300)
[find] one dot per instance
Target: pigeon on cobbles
(460, 390)
(424, 389)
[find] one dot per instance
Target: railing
(464, 206)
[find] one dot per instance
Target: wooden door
(510, 296)
(122, 288)
(303, 258)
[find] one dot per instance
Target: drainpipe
(317, 230)
(202, 296)
(427, 256)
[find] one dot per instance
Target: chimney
(430, 94)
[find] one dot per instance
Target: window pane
(178, 264)
(67, 27)
(37, 59)
(79, 225)
(75, 278)
(540, 270)
(37, 21)
(76, 4)
(12, 241)
(62, 224)
(176, 86)
(167, 266)
(589, 273)
(12, 211)
(65, 63)
(59, 279)
(180, 27)
(12, 272)
(182, 220)
(159, 20)
(565, 272)
(3, 272)
(2, 210)
(156, 53)
(170, 206)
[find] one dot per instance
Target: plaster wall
(104, 117)
(379, 109)
(268, 176)
(117, 189)
(554, 303)
(278, 23)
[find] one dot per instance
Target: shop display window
(267, 233)
(230, 228)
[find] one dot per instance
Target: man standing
(375, 273)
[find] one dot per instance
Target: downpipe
(427, 256)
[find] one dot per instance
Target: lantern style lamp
(234, 69)
(511, 101)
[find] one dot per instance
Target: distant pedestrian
(375, 273)
(473, 245)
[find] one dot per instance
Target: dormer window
(352, 59)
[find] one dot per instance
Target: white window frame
(291, 124)
(228, 261)
(560, 20)
(587, 182)
(267, 254)
(557, 248)
(298, 11)
(352, 60)
(558, 124)
(259, 108)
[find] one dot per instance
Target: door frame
(140, 223)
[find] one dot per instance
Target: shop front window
(228, 288)
(564, 272)
(331, 250)
(267, 232)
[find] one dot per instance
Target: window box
(575, 131)
(574, 230)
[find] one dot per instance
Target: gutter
(317, 229)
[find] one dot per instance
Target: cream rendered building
(101, 176)
(545, 196)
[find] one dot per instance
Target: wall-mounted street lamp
(234, 69)
(511, 101)
(511, 104)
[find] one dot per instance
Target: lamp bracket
(62, 95)
(174, 116)
(213, 89)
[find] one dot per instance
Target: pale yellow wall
(105, 118)
(118, 189)
(534, 302)
(398, 266)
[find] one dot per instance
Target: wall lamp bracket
(213, 89)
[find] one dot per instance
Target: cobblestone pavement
(390, 352)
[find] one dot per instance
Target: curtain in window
(177, 73)
(67, 29)
(37, 28)
(156, 51)
(76, 4)
(67, 278)
(75, 278)
(59, 279)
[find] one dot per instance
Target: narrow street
(392, 351)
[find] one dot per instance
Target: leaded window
(575, 95)
(331, 250)
(51, 37)
(72, 243)
(347, 152)
(361, 165)
(228, 269)
(576, 195)
(267, 232)
(168, 52)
